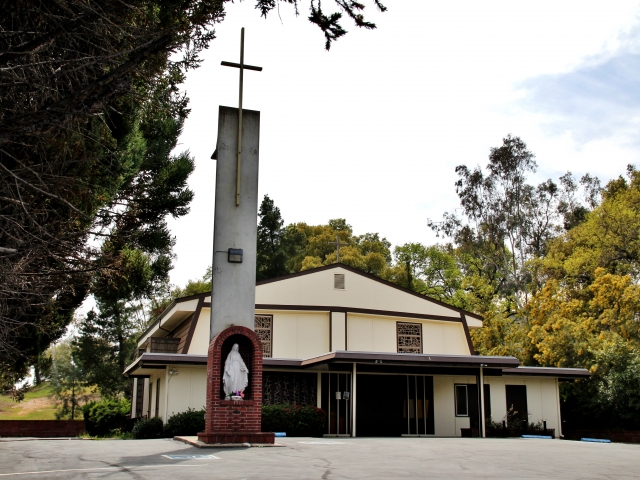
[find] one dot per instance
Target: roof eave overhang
(412, 359)
(155, 361)
(553, 372)
(175, 302)
(161, 360)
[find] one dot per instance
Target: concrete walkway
(318, 458)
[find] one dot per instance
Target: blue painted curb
(596, 440)
(280, 434)
(544, 437)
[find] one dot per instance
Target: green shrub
(295, 421)
(107, 416)
(147, 428)
(187, 423)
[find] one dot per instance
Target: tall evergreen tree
(271, 257)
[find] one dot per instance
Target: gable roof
(374, 278)
(205, 295)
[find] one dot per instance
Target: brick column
(229, 421)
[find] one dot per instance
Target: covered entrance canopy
(391, 394)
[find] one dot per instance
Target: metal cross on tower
(242, 67)
(338, 244)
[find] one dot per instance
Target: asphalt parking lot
(302, 458)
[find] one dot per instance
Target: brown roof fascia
(335, 308)
(163, 358)
(192, 327)
(132, 366)
(412, 358)
(281, 362)
(371, 277)
(547, 372)
(467, 335)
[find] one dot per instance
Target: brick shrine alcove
(234, 421)
(247, 352)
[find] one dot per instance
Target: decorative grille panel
(289, 388)
(409, 337)
(338, 281)
(263, 325)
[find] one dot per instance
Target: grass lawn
(38, 404)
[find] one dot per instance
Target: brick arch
(229, 421)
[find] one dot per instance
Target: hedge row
(111, 416)
(295, 421)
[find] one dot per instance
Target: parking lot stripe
(124, 467)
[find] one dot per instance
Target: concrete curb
(29, 439)
(197, 443)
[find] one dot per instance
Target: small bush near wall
(187, 423)
(107, 417)
(502, 430)
(295, 421)
(148, 428)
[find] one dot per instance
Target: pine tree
(271, 257)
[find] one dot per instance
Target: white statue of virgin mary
(236, 373)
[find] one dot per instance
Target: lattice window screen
(263, 325)
(289, 388)
(409, 337)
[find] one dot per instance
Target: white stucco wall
(186, 390)
(543, 400)
(338, 333)
(444, 338)
(300, 335)
(369, 333)
(445, 421)
(200, 340)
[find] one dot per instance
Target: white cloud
(372, 130)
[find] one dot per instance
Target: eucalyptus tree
(504, 223)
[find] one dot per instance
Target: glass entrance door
(417, 409)
(336, 401)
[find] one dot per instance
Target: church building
(379, 359)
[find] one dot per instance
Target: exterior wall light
(345, 395)
(173, 371)
(234, 255)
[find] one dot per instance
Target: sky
(372, 130)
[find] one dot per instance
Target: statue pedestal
(234, 421)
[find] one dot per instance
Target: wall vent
(338, 281)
